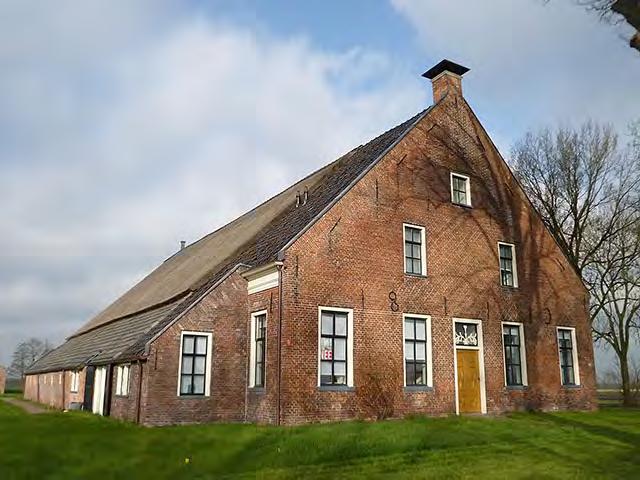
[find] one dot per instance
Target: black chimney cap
(445, 65)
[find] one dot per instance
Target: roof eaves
(280, 254)
(192, 304)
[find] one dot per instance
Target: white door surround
(480, 348)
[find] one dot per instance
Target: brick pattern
(353, 258)
(125, 407)
(224, 313)
(54, 389)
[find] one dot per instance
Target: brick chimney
(446, 77)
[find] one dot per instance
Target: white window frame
(60, 378)
(349, 312)
(514, 264)
(467, 187)
(574, 355)
(75, 381)
(523, 354)
(207, 368)
(123, 375)
(429, 358)
(252, 350)
(423, 248)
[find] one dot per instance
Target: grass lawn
(561, 445)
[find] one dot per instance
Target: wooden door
(468, 381)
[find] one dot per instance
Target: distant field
(78, 445)
(610, 397)
(13, 385)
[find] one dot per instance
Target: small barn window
(75, 381)
(195, 363)
(508, 271)
(122, 380)
(335, 347)
(514, 354)
(414, 250)
(568, 356)
(460, 189)
(258, 349)
(417, 350)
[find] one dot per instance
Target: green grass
(560, 445)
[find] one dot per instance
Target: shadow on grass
(629, 438)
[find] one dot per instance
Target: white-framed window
(75, 381)
(507, 263)
(122, 380)
(460, 189)
(515, 354)
(60, 379)
(335, 347)
(415, 249)
(568, 356)
(258, 349)
(194, 368)
(418, 364)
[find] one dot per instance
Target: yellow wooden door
(468, 381)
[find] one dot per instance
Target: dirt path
(26, 406)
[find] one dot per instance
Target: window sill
(463, 205)
(510, 288)
(517, 387)
(121, 396)
(572, 387)
(192, 397)
(415, 275)
(417, 388)
(336, 388)
(257, 390)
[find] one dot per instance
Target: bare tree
(583, 186)
(616, 11)
(26, 354)
(614, 282)
(587, 191)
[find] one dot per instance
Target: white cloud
(131, 127)
(532, 63)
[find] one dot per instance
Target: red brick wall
(53, 389)
(353, 258)
(262, 402)
(224, 313)
(125, 407)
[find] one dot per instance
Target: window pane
(420, 351)
(187, 364)
(416, 251)
(340, 368)
(326, 352)
(417, 235)
(259, 379)
(199, 366)
(201, 345)
(198, 384)
(417, 266)
(408, 329)
(185, 385)
(341, 324)
(188, 344)
(411, 377)
(340, 349)
(408, 265)
(259, 351)
(408, 350)
(466, 334)
(407, 249)
(420, 329)
(421, 374)
(325, 368)
(327, 323)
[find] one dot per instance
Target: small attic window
(460, 189)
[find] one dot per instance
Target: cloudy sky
(126, 126)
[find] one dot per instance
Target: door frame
(100, 374)
(480, 350)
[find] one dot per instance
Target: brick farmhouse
(410, 276)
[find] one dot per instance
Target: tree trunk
(627, 397)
